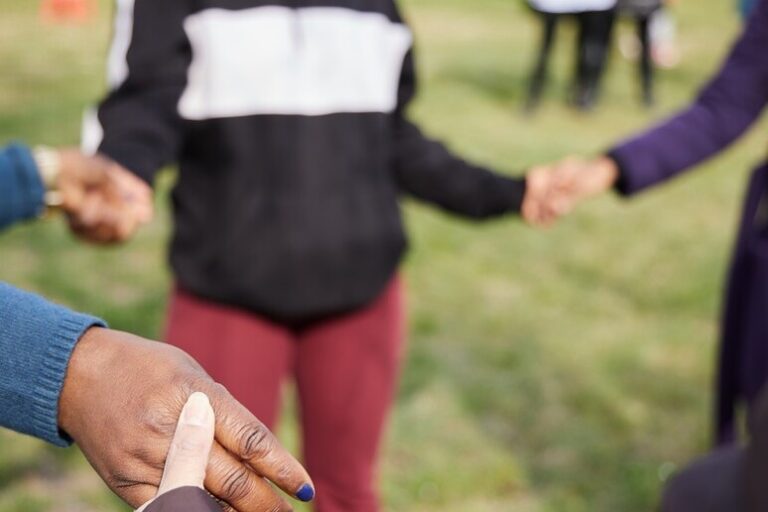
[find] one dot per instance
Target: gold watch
(49, 166)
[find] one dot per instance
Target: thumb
(190, 447)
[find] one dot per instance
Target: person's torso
(286, 203)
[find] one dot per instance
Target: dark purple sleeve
(184, 499)
(723, 111)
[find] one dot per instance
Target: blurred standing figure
(721, 113)
(665, 48)
(595, 19)
(288, 121)
(642, 11)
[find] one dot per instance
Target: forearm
(37, 339)
(21, 188)
(426, 170)
(139, 120)
(724, 110)
(678, 144)
(141, 132)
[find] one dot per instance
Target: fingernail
(196, 410)
(306, 493)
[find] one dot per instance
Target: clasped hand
(553, 191)
(104, 202)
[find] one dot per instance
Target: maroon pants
(346, 370)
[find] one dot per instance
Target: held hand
(554, 191)
(536, 207)
(121, 399)
(190, 447)
(104, 202)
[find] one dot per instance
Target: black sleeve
(139, 118)
(427, 170)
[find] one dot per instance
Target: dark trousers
(593, 44)
(646, 58)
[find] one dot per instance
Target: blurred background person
(665, 48)
(595, 20)
(722, 112)
(289, 125)
(643, 12)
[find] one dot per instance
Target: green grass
(567, 370)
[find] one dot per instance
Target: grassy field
(567, 370)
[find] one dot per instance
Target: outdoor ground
(565, 370)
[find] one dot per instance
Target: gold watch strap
(49, 167)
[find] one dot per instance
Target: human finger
(238, 487)
(535, 209)
(131, 190)
(238, 431)
(99, 233)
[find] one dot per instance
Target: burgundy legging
(346, 371)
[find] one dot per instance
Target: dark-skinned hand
(120, 403)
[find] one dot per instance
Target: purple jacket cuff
(635, 172)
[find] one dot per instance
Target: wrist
(607, 171)
(49, 165)
(88, 362)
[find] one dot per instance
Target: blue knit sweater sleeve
(21, 190)
(36, 342)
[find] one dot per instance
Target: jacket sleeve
(150, 55)
(184, 499)
(427, 170)
(36, 342)
(722, 112)
(21, 189)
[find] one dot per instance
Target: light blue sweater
(36, 337)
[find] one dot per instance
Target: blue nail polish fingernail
(306, 493)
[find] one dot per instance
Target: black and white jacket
(287, 121)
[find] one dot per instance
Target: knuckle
(236, 485)
(226, 507)
(214, 390)
(158, 421)
(255, 441)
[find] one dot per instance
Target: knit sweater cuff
(21, 189)
(50, 380)
(32, 188)
(37, 338)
